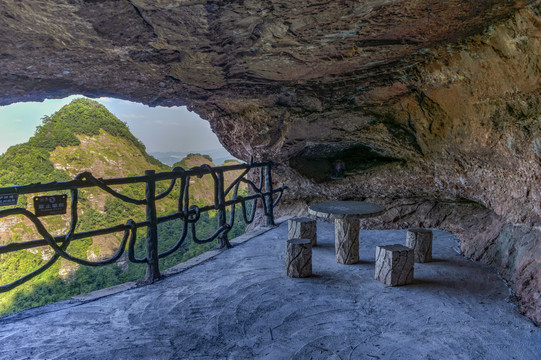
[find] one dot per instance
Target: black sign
(50, 205)
(9, 199)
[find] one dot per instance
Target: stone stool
(420, 240)
(302, 228)
(299, 258)
(394, 264)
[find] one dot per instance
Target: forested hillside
(85, 136)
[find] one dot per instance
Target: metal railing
(188, 214)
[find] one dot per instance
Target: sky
(161, 129)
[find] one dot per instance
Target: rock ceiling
(434, 105)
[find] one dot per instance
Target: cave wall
(434, 105)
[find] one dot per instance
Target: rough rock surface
(434, 106)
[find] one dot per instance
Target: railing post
(269, 211)
(153, 267)
(222, 238)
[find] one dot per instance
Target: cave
(318, 162)
(443, 98)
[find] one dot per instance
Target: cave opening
(168, 133)
(53, 142)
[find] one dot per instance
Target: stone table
(346, 216)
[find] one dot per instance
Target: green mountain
(85, 136)
(71, 126)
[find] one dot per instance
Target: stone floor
(240, 305)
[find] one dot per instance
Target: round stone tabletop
(331, 210)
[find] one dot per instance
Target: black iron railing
(224, 198)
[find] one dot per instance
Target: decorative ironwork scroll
(224, 198)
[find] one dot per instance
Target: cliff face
(435, 107)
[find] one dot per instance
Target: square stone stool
(420, 240)
(299, 258)
(394, 264)
(302, 228)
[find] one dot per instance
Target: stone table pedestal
(346, 240)
(346, 216)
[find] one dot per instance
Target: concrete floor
(240, 305)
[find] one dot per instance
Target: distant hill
(219, 156)
(205, 185)
(85, 136)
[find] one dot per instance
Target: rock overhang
(450, 90)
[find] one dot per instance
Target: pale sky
(161, 129)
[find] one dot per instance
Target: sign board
(9, 199)
(50, 205)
